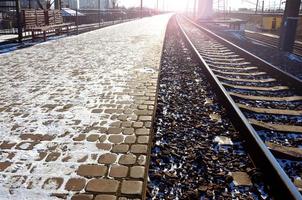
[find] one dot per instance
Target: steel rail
(282, 76)
(281, 185)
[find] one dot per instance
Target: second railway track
(265, 104)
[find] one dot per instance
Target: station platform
(76, 114)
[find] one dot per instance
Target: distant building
(31, 3)
(72, 4)
(205, 9)
(86, 4)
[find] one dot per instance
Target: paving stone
(145, 118)
(41, 156)
(115, 124)
(130, 139)
(128, 131)
(75, 184)
(33, 137)
(139, 148)
(127, 159)
(149, 102)
(82, 197)
(82, 159)
(4, 165)
(128, 111)
(59, 195)
(114, 130)
(120, 148)
(52, 156)
(137, 172)
(134, 117)
(116, 139)
(107, 158)
(105, 197)
(126, 124)
(118, 171)
(143, 112)
(7, 145)
(97, 111)
(94, 156)
(53, 183)
(138, 124)
(151, 108)
(142, 107)
(148, 124)
(102, 185)
(102, 138)
(81, 98)
(80, 137)
(122, 118)
(92, 170)
(92, 137)
(142, 131)
(132, 187)
(110, 111)
(143, 139)
(141, 160)
(104, 146)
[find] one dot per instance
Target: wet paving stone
(75, 184)
(132, 187)
(102, 185)
(92, 170)
(71, 109)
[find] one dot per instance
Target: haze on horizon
(183, 5)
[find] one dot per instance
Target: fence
(87, 19)
(83, 19)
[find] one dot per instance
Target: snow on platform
(76, 113)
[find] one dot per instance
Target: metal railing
(89, 19)
(83, 19)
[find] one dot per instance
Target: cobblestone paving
(76, 114)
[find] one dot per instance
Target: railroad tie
(277, 127)
(270, 111)
(275, 88)
(266, 98)
(239, 73)
(247, 80)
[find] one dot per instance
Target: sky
(181, 5)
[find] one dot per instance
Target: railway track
(265, 105)
(272, 41)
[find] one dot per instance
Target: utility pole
(262, 6)
(99, 13)
(224, 11)
(256, 7)
(141, 8)
(57, 4)
(17, 2)
(289, 25)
